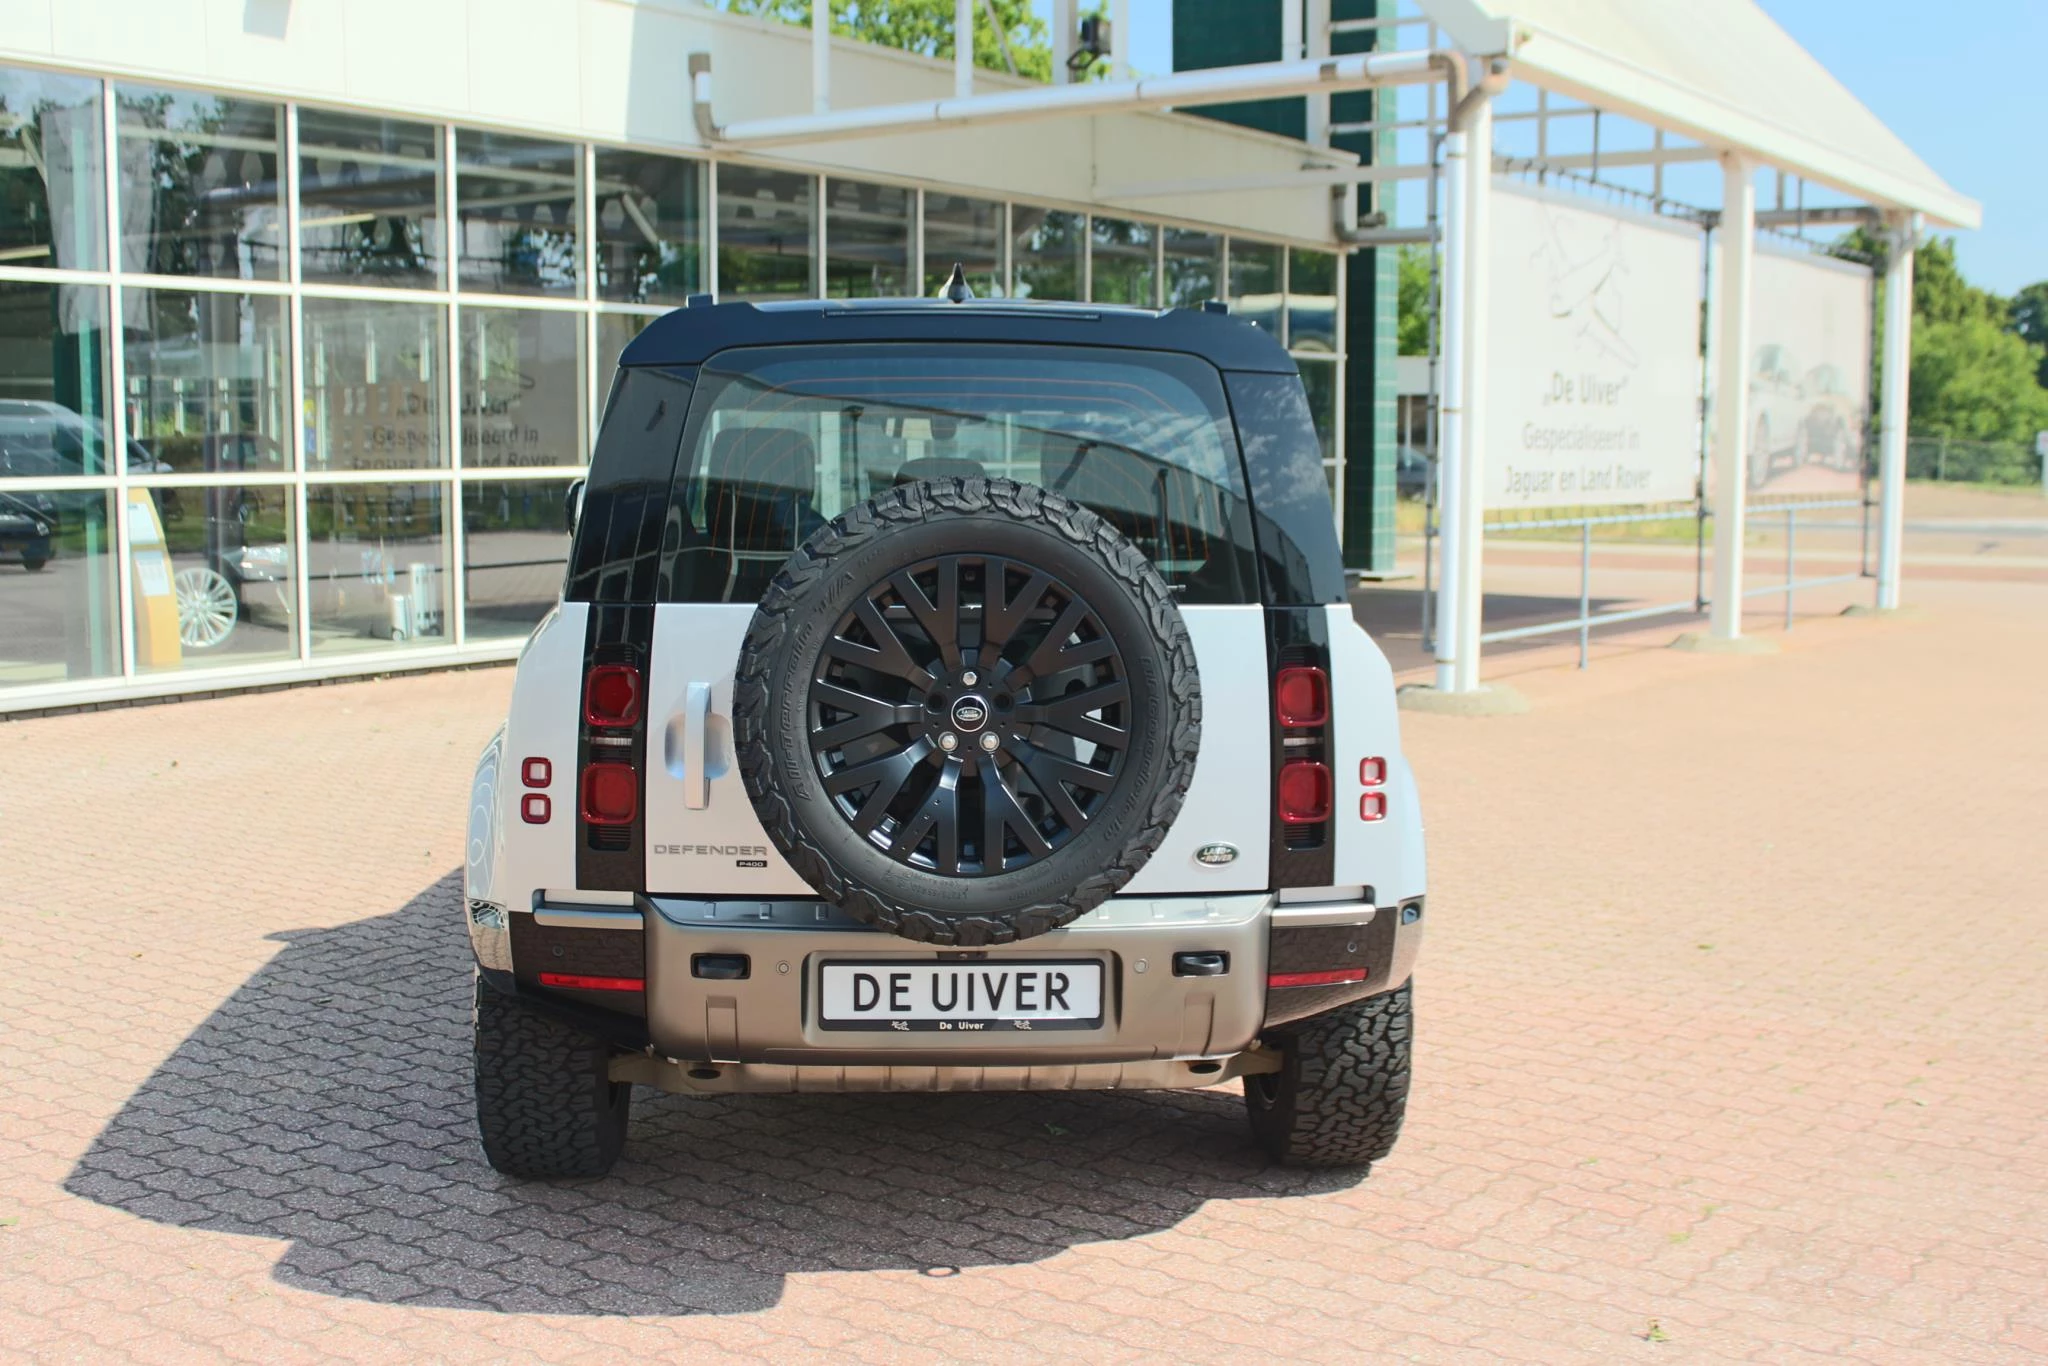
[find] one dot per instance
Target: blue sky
(1952, 83)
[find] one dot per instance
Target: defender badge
(1216, 855)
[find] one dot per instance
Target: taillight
(1303, 792)
(1302, 697)
(611, 695)
(611, 794)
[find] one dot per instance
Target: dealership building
(308, 311)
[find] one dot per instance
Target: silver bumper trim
(1339, 913)
(769, 1079)
(584, 918)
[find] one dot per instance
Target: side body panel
(547, 691)
(1386, 854)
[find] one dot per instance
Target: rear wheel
(1342, 1089)
(546, 1105)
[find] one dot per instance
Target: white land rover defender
(947, 695)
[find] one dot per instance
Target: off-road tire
(798, 611)
(545, 1106)
(1343, 1085)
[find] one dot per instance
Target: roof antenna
(957, 290)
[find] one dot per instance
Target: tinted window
(784, 438)
(1296, 526)
(619, 535)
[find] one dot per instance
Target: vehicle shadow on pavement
(327, 1103)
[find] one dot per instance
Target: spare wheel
(967, 711)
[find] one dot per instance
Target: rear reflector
(611, 695)
(1303, 792)
(1302, 696)
(611, 794)
(576, 981)
(1335, 977)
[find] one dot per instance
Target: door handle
(696, 721)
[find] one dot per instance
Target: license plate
(965, 997)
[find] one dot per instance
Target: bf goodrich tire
(967, 711)
(545, 1105)
(1342, 1089)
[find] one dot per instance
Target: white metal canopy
(1720, 71)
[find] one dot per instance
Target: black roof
(692, 335)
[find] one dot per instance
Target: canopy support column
(1731, 391)
(821, 57)
(1468, 186)
(963, 48)
(1893, 409)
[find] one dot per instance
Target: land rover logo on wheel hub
(969, 713)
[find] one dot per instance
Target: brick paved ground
(1734, 1030)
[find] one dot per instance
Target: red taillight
(1303, 792)
(1372, 772)
(1336, 977)
(579, 982)
(535, 809)
(611, 794)
(1372, 806)
(611, 695)
(1302, 696)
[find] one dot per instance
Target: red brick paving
(1733, 1045)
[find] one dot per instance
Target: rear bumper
(1156, 1010)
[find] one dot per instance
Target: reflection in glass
(1122, 269)
(867, 239)
(51, 380)
(208, 387)
(1194, 268)
(514, 549)
(1255, 283)
(376, 564)
(969, 233)
(52, 189)
(200, 190)
(376, 385)
(650, 227)
(1311, 300)
(614, 330)
(1045, 255)
(369, 200)
(212, 575)
(1319, 378)
(517, 200)
(57, 587)
(766, 242)
(522, 387)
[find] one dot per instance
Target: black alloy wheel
(968, 715)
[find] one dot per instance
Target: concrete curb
(1491, 699)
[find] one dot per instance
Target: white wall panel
(406, 56)
(288, 42)
(524, 62)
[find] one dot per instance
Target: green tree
(1412, 300)
(926, 27)
(2029, 318)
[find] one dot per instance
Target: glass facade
(352, 364)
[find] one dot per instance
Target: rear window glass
(782, 439)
